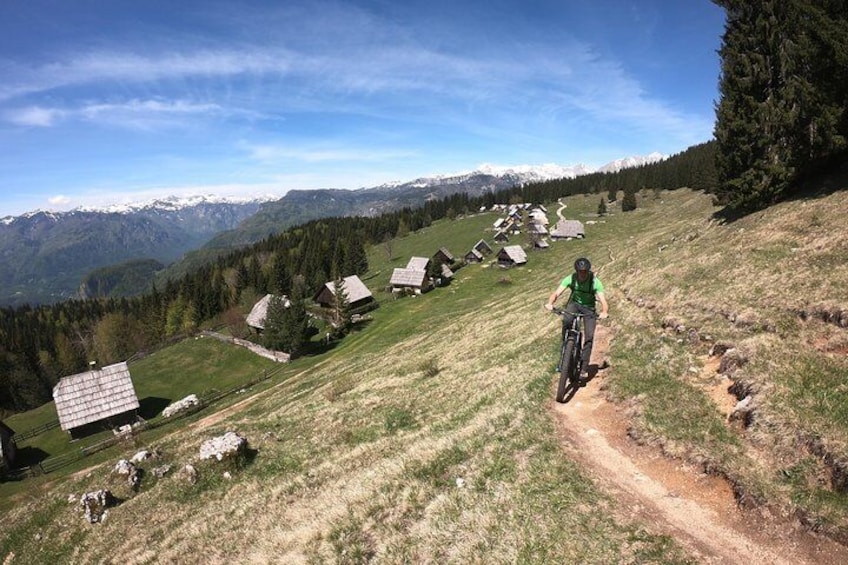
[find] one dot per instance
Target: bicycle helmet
(582, 264)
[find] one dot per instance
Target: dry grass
(365, 458)
(745, 283)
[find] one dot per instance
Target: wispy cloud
(59, 200)
(33, 116)
(133, 114)
(275, 153)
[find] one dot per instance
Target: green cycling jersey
(583, 293)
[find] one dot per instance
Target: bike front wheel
(566, 363)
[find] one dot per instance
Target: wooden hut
(447, 274)
(99, 397)
(536, 228)
(414, 280)
(511, 255)
(354, 289)
(443, 256)
(483, 247)
(501, 237)
(256, 318)
(7, 448)
(568, 229)
(474, 256)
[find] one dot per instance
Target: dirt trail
(699, 511)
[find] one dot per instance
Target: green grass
(359, 449)
(195, 366)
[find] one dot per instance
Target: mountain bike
(571, 355)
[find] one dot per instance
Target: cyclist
(586, 291)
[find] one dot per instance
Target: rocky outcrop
(95, 505)
(228, 446)
(181, 405)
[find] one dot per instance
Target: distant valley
(49, 257)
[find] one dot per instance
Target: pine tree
(297, 318)
(275, 336)
(602, 207)
(341, 309)
(628, 203)
(784, 92)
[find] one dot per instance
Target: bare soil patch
(672, 497)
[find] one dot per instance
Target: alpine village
(380, 388)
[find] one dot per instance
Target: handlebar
(561, 312)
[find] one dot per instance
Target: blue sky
(109, 101)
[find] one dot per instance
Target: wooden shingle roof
(568, 228)
(418, 263)
(537, 228)
(256, 318)
(483, 247)
(513, 253)
(443, 251)
(94, 395)
(474, 255)
(408, 277)
(353, 287)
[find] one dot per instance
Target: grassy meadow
(427, 435)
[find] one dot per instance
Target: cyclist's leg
(570, 309)
(588, 336)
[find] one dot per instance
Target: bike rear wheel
(565, 369)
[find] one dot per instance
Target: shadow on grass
(152, 406)
(823, 180)
(29, 456)
(324, 345)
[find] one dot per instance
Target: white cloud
(34, 116)
(60, 200)
(270, 153)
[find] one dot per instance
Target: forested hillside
(38, 346)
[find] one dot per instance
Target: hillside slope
(428, 436)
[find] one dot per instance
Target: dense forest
(784, 92)
(781, 118)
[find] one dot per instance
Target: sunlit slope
(427, 435)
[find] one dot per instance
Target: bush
(430, 368)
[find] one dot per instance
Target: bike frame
(575, 332)
(571, 353)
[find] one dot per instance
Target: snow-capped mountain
(520, 174)
(630, 162)
(176, 203)
(47, 254)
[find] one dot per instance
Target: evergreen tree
(287, 324)
(602, 207)
(280, 275)
(784, 93)
(341, 309)
(628, 203)
(276, 333)
(297, 318)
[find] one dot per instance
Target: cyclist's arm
(553, 298)
(600, 297)
(555, 294)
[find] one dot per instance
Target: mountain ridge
(49, 255)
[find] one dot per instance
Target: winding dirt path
(698, 510)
